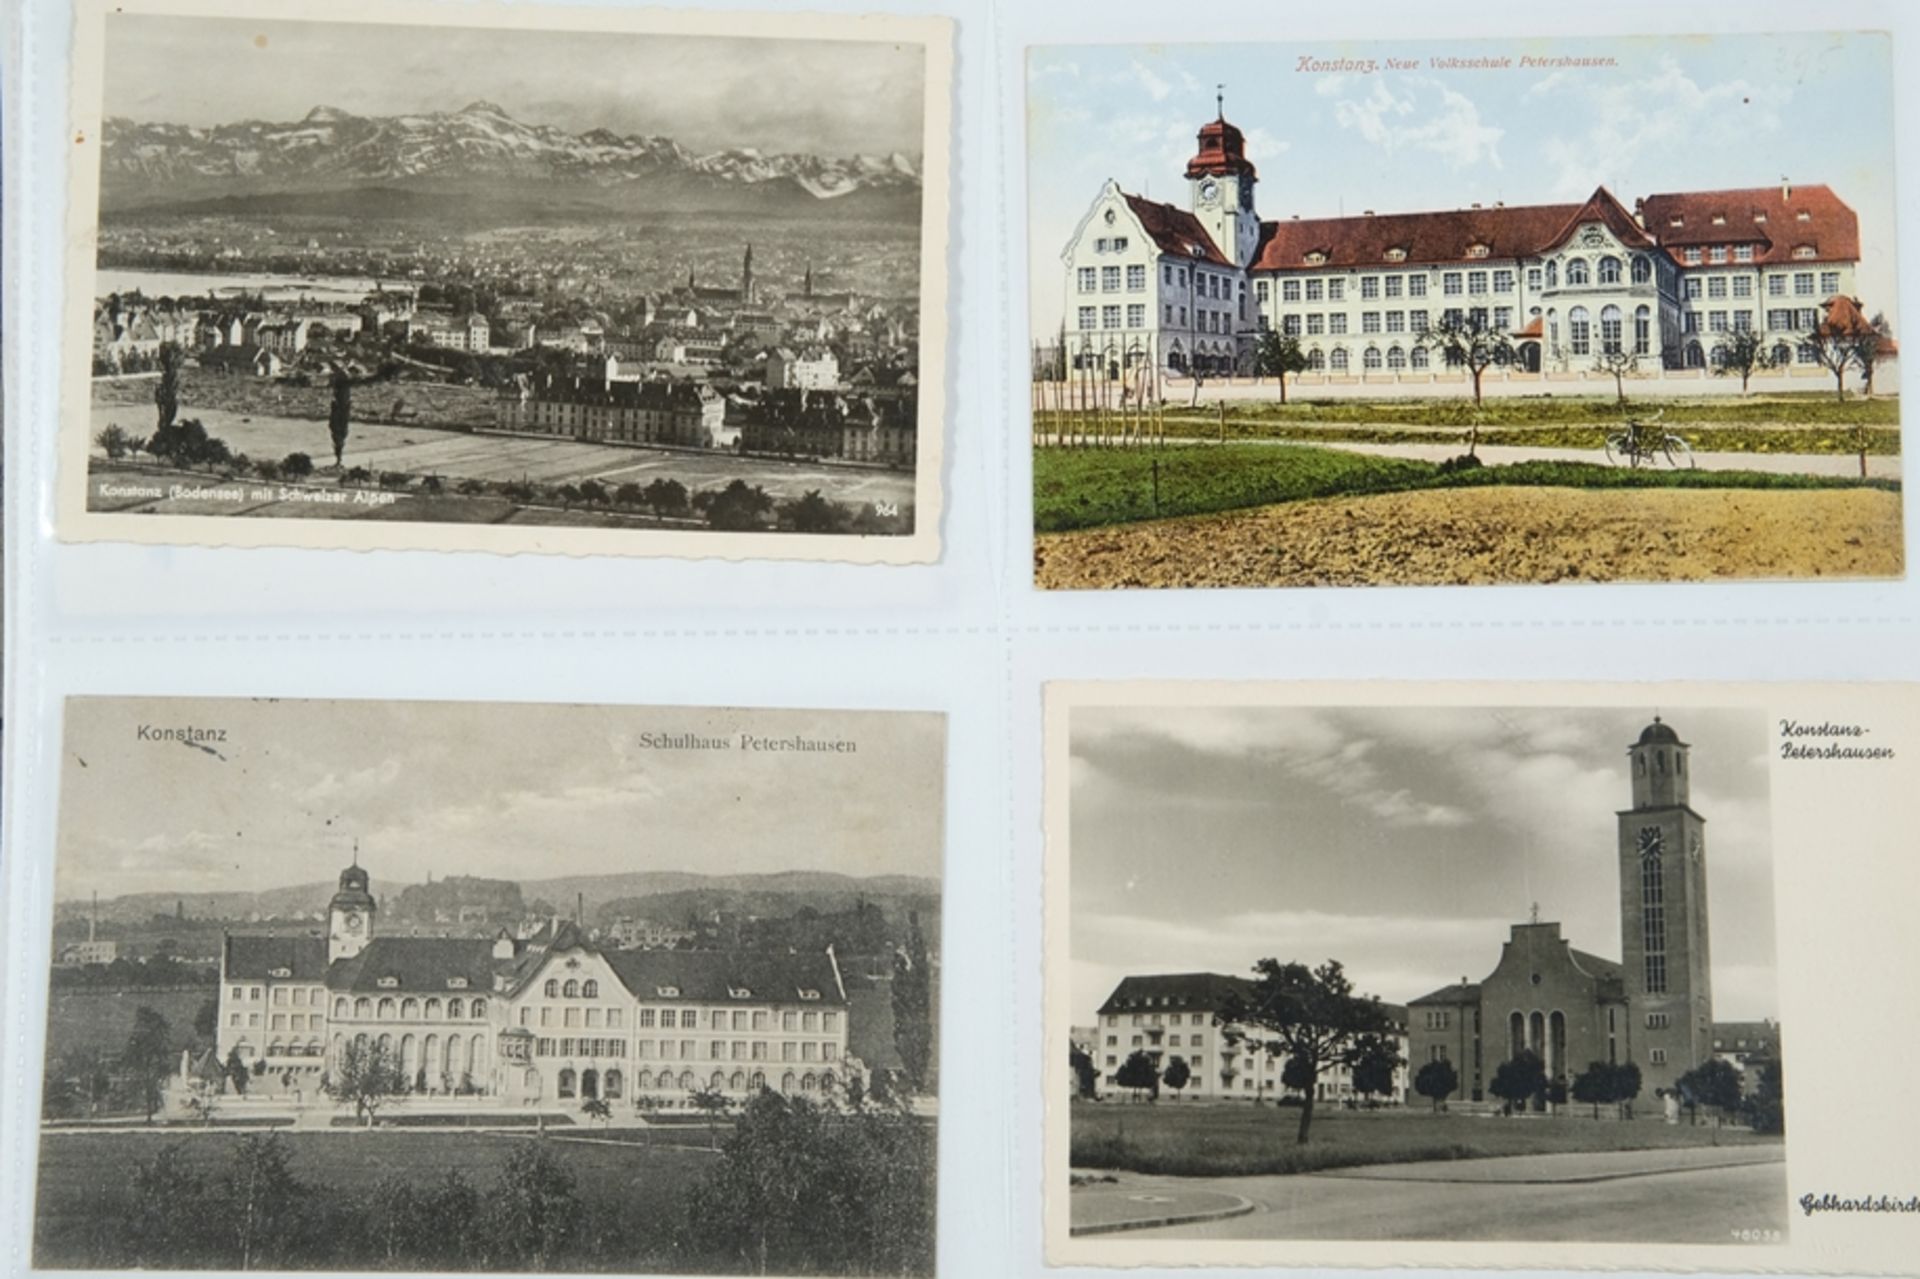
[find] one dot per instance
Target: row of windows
(409, 1008)
(579, 1047)
(1106, 279)
(1173, 1019)
(1741, 286)
(572, 988)
(734, 1050)
(1173, 1041)
(687, 1081)
(590, 1018)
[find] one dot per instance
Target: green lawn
(1194, 1139)
(1840, 439)
(85, 1184)
(1090, 488)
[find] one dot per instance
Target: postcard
(1479, 975)
(349, 986)
(507, 278)
(1505, 310)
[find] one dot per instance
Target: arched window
(1370, 358)
(1642, 329)
(758, 1082)
(1782, 353)
(1717, 356)
(589, 1083)
(450, 1059)
(340, 1007)
(1642, 268)
(1609, 270)
(430, 1059)
(553, 988)
(1696, 358)
(739, 1081)
(641, 1081)
(1338, 360)
(1537, 1033)
(1579, 331)
(1316, 359)
(409, 1009)
(1610, 329)
(433, 1009)
(787, 1082)
(409, 1060)
(718, 1081)
(571, 990)
(386, 1044)
(614, 1087)
(1396, 358)
(386, 1008)
(590, 989)
(277, 1048)
(363, 1007)
(1419, 357)
(1553, 275)
(478, 1008)
(686, 1080)
(455, 1009)
(1576, 272)
(1516, 1035)
(826, 1081)
(360, 1042)
(807, 1082)
(566, 1086)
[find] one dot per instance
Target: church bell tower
(350, 915)
(1663, 912)
(1220, 182)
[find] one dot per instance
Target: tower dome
(1659, 733)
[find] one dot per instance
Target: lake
(279, 288)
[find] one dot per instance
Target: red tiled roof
(1830, 228)
(1534, 329)
(1441, 236)
(1176, 231)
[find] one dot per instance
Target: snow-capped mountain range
(148, 164)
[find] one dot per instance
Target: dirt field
(1493, 535)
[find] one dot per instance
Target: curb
(1240, 1208)
(1582, 1179)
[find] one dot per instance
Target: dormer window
(1316, 258)
(1719, 219)
(281, 972)
(1676, 221)
(1477, 250)
(1396, 255)
(456, 983)
(1803, 216)
(667, 992)
(388, 983)
(1804, 251)
(739, 992)
(809, 995)
(1760, 216)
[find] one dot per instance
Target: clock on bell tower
(1667, 969)
(350, 915)
(1220, 182)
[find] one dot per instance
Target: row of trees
(1842, 342)
(798, 1187)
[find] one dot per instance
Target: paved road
(1680, 1196)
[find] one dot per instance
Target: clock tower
(1663, 913)
(1220, 182)
(350, 915)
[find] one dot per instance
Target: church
(554, 1017)
(1653, 1008)
(1157, 286)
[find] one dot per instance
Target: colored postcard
(1476, 975)
(1464, 312)
(526, 988)
(507, 278)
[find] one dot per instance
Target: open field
(1204, 1140)
(99, 1021)
(1470, 536)
(207, 395)
(1089, 488)
(84, 1180)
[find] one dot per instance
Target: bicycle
(1644, 442)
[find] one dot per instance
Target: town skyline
(1403, 843)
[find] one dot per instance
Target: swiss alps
(483, 156)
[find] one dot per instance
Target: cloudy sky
(515, 792)
(834, 98)
(1674, 114)
(1404, 843)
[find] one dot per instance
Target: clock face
(1650, 841)
(1693, 846)
(1209, 190)
(352, 921)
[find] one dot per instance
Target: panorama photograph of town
(1423, 973)
(604, 279)
(526, 988)
(1464, 312)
